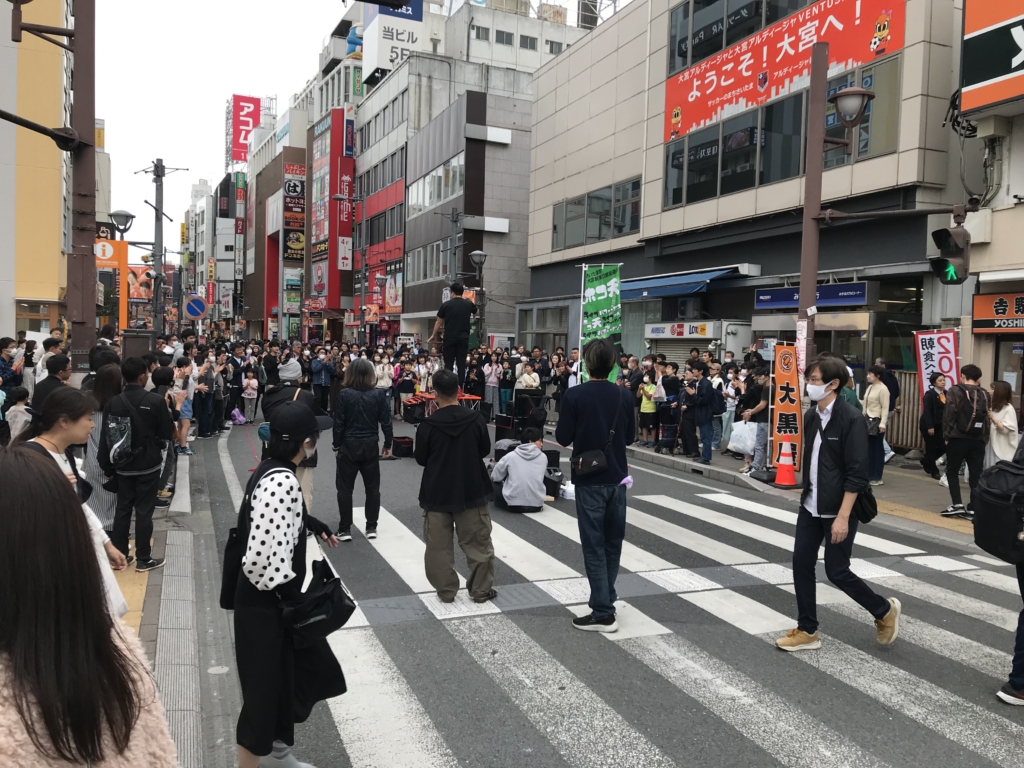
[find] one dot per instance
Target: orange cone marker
(785, 476)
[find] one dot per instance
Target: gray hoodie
(522, 472)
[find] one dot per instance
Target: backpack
(999, 509)
(718, 401)
(970, 413)
(124, 445)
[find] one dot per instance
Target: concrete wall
(468, 17)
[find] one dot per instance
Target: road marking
(739, 610)
(703, 545)
(634, 467)
(939, 562)
(632, 622)
(680, 580)
(531, 562)
(230, 475)
(782, 730)
(734, 524)
(866, 540)
(773, 573)
(459, 608)
(559, 704)
(998, 581)
(181, 501)
(953, 601)
(989, 560)
(403, 550)
(381, 720)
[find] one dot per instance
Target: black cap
(296, 421)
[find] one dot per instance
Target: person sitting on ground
(518, 477)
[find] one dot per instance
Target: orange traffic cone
(785, 477)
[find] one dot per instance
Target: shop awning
(671, 285)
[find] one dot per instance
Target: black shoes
(371, 531)
(150, 564)
(589, 624)
(345, 534)
(489, 595)
(953, 510)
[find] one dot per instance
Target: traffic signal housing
(952, 265)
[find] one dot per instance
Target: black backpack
(972, 411)
(718, 400)
(124, 445)
(999, 509)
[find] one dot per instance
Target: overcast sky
(164, 72)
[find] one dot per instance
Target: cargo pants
(473, 528)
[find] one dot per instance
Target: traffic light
(952, 265)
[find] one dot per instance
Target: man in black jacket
(139, 479)
(59, 369)
(703, 394)
(454, 491)
(835, 473)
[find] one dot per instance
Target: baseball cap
(296, 421)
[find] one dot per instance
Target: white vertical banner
(345, 254)
(801, 348)
(936, 352)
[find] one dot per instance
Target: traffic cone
(785, 477)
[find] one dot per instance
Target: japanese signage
(245, 115)
(992, 65)
(936, 352)
(113, 254)
(226, 292)
(320, 199)
(357, 81)
(602, 307)
(829, 295)
(240, 256)
(785, 415)
(318, 284)
(350, 130)
(293, 232)
(776, 61)
(998, 313)
(391, 34)
(706, 330)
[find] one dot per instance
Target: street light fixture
(851, 104)
(122, 221)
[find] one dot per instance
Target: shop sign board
(708, 329)
(786, 416)
(829, 295)
(992, 55)
(391, 34)
(936, 352)
(601, 317)
(245, 116)
(998, 313)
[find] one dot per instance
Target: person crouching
(519, 476)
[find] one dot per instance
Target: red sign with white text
(777, 60)
(245, 115)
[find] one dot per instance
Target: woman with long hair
(87, 701)
(1002, 442)
(876, 411)
(932, 408)
(107, 385)
(360, 408)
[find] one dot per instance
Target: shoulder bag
(865, 507)
(595, 461)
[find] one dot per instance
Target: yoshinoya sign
(829, 295)
(998, 313)
(992, 55)
(776, 61)
(708, 329)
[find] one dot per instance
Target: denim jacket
(322, 371)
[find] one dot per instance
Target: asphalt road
(691, 677)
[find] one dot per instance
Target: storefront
(997, 326)
(675, 340)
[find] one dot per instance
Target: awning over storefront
(671, 285)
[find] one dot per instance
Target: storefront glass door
(1009, 354)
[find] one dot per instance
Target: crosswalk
(705, 587)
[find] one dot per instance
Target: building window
(504, 38)
(558, 227)
(599, 215)
(777, 9)
(702, 153)
(575, 222)
(878, 131)
(780, 153)
(627, 208)
(675, 167)
(433, 45)
(742, 19)
(443, 183)
(527, 42)
(708, 28)
(739, 153)
(678, 38)
(378, 229)
(483, 33)
(554, 47)
(835, 156)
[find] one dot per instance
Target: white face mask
(306, 353)
(728, 376)
(248, 351)
(212, 358)
(647, 379)
(817, 392)
(322, 356)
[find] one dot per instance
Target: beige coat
(876, 402)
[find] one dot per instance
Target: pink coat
(150, 744)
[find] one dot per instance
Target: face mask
(647, 379)
(309, 451)
(380, 351)
(728, 376)
(212, 358)
(248, 351)
(817, 391)
(322, 356)
(743, 377)
(306, 353)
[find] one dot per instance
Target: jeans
(876, 456)
(761, 447)
(250, 408)
(885, 443)
(959, 450)
(322, 393)
(810, 531)
(1017, 670)
(717, 428)
(456, 351)
(706, 432)
(505, 396)
(358, 457)
(727, 419)
(601, 515)
(138, 493)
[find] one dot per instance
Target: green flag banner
(602, 309)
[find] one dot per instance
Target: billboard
(393, 293)
(320, 194)
(786, 416)
(998, 313)
(140, 284)
(777, 60)
(391, 34)
(293, 236)
(936, 352)
(245, 115)
(992, 66)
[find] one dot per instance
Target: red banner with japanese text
(785, 419)
(245, 116)
(936, 352)
(776, 61)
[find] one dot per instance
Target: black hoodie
(451, 446)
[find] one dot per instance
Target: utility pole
(158, 246)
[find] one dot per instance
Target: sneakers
(890, 457)
(345, 534)
(489, 595)
(944, 481)
(444, 599)
(798, 640)
(149, 565)
(371, 531)
(1007, 695)
(184, 451)
(953, 510)
(875, 483)
(282, 757)
(589, 624)
(164, 494)
(889, 627)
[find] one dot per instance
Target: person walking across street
(455, 314)
(965, 427)
(835, 457)
(932, 408)
(454, 494)
(359, 412)
(876, 412)
(1002, 443)
(892, 383)
(596, 419)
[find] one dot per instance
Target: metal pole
(81, 290)
(158, 247)
(362, 305)
(812, 190)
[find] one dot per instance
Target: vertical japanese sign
(785, 415)
(294, 226)
(113, 254)
(936, 352)
(601, 316)
(777, 60)
(245, 115)
(391, 34)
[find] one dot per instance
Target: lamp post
(122, 221)
(851, 104)
(477, 258)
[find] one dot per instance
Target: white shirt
(811, 504)
(274, 530)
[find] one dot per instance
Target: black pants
(138, 493)
(810, 531)
(233, 401)
(322, 392)
(358, 457)
(688, 433)
(456, 351)
(500, 503)
(934, 448)
(959, 450)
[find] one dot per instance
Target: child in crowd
(250, 391)
(648, 413)
(506, 383)
(407, 383)
(17, 415)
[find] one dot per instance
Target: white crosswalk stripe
(954, 601)
(1000, 581)
(712, 549)
(633, 557)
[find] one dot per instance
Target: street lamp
(851, 104)
(122, 221)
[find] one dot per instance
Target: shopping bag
(744, 437)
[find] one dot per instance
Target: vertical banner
(601, 316)
(785, 416)
(113, 254)
(936, 352)
(245, 116)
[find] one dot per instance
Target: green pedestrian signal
(950, 272)
(952, 264)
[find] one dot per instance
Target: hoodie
(522, 472)
(451, 446)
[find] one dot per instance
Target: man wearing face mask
(322, 372)
(10, 369)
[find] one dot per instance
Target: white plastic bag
(744, 437)
(569, 491)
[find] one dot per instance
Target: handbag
(323, 606)
(874, 425)
(595, 461)
(866, 506)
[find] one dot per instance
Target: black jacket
(44, 389)
(451, 446)
(357, 414)
(270, 364)
(842, 458)
(152, 429)
(585, 420)
(703, 396)
(931, 412)
(285, 392)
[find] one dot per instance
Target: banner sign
(998, 313)
(828, 295)
(393, 293)
(602, 308)
(936, 352)
(245, 115)
(991, 65)
(707, 329)
(776, 61)
(294, 216)
(786, 414)
(113, 254)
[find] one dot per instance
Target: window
(483, 33)
(878, 131)
(627, 208)
(739, 153)
(708, 27)
(835, 156)
(675, 167)
(558, 227)
(443, 183)
(702, 165)
(433, 45)
(378, 231)
(780, 151)
(527, 42)
(742, 19)
(599, 215)
(554, 47)
(384, 172)
(575, 221)
(504, 38)
(776, 9)
(678, 37)
(386, 119)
